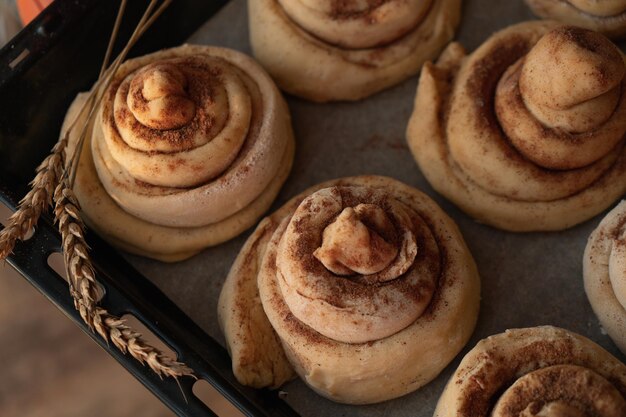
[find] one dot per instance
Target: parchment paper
(527, 279)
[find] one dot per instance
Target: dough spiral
(526, 133)
(345, 276)
(189, 148)
(347, 50)
(604, 16)
(604, 268)
(536, 372)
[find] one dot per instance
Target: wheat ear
(81, 273)
(36, 201)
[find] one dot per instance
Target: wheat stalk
(53, 183)
(81, 272)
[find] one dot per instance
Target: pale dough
(266, 338)
(174, 223)
(313, 65)
(538, 371)
(606, 16)
(496, 160)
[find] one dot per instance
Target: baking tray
(527, 279)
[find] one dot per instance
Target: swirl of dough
(357, 24)
(348, 274)
(361, 248)
(178, 122)
(520, 163)
(190, 174)
(536, 372)
(605, 16)
(530, 126)
(578, 96)
(604, 271)
(564, 116)
(189, 148)
(348, 49)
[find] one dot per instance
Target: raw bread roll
(337, 50)
(536, 372)
(363, 285)
(190, 146)
(604, 271)
(527, 132)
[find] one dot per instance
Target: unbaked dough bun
(362, 285)
(527, 132)
(536, 372)
(346, 50)
(604, 16)
(189, 148)
(604, 271)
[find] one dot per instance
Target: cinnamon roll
(605, 16)
(347, 50)
(344, 277)
(604, 271)
(527, 133)
(540, 371)
(190, 146)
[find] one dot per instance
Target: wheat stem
(105, 80)
(114, 32)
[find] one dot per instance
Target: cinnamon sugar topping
(349, 9)
(157, 97)
(352, 244)
(356, 250)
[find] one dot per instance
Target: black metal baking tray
(527, 279)
(41, 70)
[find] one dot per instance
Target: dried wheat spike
(81, 274)
(79, 269)
(36, 201)
(128, 340)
